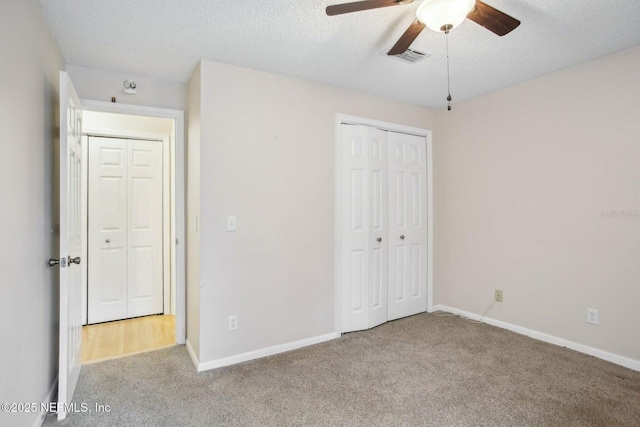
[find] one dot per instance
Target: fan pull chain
(448, 78)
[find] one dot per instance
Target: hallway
(112, 340)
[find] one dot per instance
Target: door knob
(62, 262)
(402, 237)
(108, 240)
(379, 239)
(75, 260)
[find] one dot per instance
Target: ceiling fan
(438, 15)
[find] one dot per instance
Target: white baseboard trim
(551, 339)
(192, 353)
(264, 352)
(48, 398)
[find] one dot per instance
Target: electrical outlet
(592, 316)
(233, 322)
(498, 296)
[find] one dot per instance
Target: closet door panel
(378, 215)
(107, 225)
(407, 225)
(145, 228)
(363, 222)
(354, 223)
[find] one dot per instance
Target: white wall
(101, 85)
(267, 156)
(29, 67)
(523, 175)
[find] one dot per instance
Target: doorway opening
(111, 340)
(133, 223)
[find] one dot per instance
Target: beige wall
(101, 85)
(29, 77)
(522, 177)
(267, 156)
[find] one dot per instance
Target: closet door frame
(166, 201)
(427, 134)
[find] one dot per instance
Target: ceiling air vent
(409, 55)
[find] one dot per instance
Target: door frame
(168, 229)
(177, 188)
(393, 127)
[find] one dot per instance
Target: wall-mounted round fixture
(130, 87)
(444, 15)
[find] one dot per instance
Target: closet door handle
(379, 239)
(402, 237)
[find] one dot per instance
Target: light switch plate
(232, 223)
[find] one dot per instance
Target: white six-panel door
(145, 228)
(125, 229)
(407, 225)
(107, 290)
(364, 228)
(70, 337)
(383, 257)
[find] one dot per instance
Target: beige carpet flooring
(420, 371)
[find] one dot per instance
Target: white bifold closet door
(125, 229)
(383, 226)
(364, 249)
(407, 225)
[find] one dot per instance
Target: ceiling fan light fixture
(444, 15)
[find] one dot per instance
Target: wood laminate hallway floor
(110, 340)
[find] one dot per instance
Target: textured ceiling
(166, 38)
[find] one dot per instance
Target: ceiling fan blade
(492, 19)
(407, 38)
(339, 9)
